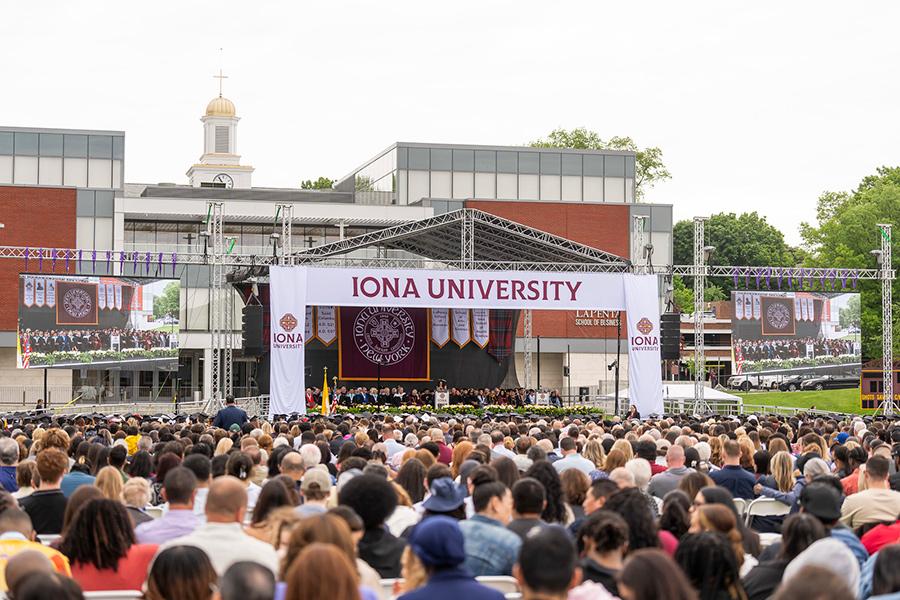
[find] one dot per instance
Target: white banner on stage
(110, 296)
(464, 289)
(642, 308)
(757, 307)
(738, 306)
(118, 296)
(294, 288)
(440, 326)
(326, 324)
(288, 322)
(51, 293)
(748, 306)
(308, 330)
(39, 292)
(28, 299)
(804, 309)
(101, 296)
(460, 332)
(481, 330)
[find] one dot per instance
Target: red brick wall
(32, 217)
(602, 226)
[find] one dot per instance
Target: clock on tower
(224, 179)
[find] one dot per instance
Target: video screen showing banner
(76, 321)
(802, 334)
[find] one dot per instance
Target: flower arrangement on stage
(775, 364)
(469, 410)
(91, 356)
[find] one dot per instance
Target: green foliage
(684, 295)
(167, 303)
(846, 232)
(465, 409)
(322, 183)
(849, 316)
(364, 183)
(839, 401)
(649, 166)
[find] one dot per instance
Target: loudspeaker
(252, 339)
(670, 336)
(184, 369)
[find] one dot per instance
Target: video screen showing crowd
(78, 320)
(796, 333)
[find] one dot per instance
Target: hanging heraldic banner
(440, 326)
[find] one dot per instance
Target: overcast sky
(757, 107)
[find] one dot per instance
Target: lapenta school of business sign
(295, 288)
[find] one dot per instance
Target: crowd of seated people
(419, 507)
(84, 340)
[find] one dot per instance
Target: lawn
(844, 401)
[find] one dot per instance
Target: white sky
(757, 107)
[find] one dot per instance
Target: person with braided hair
(102, 549)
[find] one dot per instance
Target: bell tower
(220, 164)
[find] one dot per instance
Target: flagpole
(325, 392)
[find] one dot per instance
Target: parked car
(830, 382)
(749, 382)
(792, 384)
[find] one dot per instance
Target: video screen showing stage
(796, 334)
(77, 321)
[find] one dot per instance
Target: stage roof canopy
(466, 238)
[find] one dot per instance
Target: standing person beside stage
(230, 415)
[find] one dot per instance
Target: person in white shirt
(222, 537)
(499, 449)
(571, 459)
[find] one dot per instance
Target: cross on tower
(220, 77)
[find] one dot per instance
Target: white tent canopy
(678, 390)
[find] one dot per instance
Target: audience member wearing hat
(315, 487)
(438, 544)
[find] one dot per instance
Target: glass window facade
(407, 174)
(250, 238)
(55, 158)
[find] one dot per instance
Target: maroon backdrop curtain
(383, 343)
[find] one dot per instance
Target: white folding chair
(114, 595)
(154, 511)
(502, 583)
(741, 505)
(47, 538)
(387, 587)
(767, 539)
(765, 507)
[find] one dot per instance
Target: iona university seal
(384, 336)
(77, 303)
(644, 326)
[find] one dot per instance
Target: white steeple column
(220, 164)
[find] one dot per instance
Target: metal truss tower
(888, 405)
(286, 240)
(699, 274)
(219, 330)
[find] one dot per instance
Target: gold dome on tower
(220, 107)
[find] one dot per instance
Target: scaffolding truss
(466, 239)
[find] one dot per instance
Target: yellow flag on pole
(325, 393)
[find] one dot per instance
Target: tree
(846, 232)
(649, 167)
(849, 316)
(364, 183)
(322, 183)
(684, 295)
(167, 303)
(739, 240)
